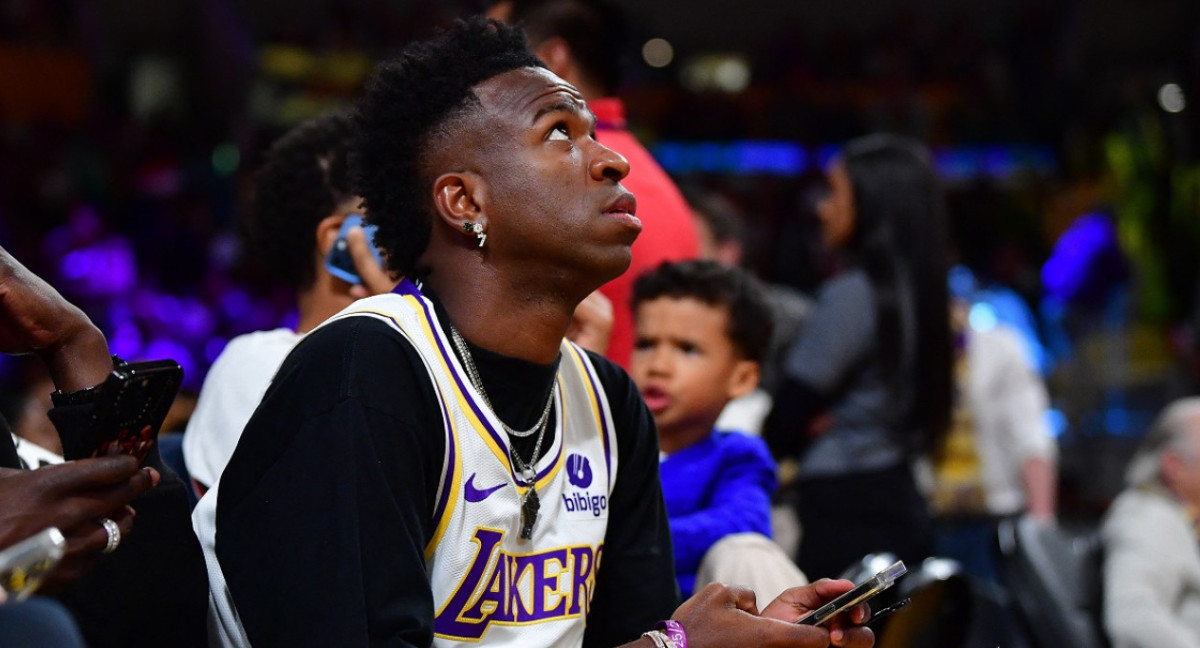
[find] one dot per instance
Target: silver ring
(114, 534)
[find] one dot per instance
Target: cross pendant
(529, 513)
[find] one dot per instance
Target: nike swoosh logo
(478, 495)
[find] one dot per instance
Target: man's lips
(656, 399)
(623, 209)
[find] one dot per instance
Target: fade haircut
(303, 180)
(737, 291)
(409, 101)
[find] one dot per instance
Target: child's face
(685, 365)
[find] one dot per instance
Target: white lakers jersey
(488, 584)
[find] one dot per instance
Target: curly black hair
(407, 102)
(303, 180)
(750, 317)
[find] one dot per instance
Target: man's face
(552, 196)
(685, 365)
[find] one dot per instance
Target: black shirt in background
(325, 508)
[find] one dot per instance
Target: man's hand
(35, 318)
(591, 325)
(720, 616)
(375, 278)
(73, 497)
(845, 629)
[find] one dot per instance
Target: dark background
(129, 131)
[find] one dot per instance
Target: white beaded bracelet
(660, 639)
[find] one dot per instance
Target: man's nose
(607, 164)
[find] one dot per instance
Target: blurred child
(302, 195)
(702, 330)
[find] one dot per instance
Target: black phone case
(129, 410)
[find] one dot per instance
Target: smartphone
(864, 591)
(129, 409)
(26, 564)
(339, 262)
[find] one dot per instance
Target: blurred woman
(867, 385)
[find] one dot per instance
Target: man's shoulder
(1140, 512)
(350, 331)
(349, 356)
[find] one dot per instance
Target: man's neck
(324, 299)
(516, 323)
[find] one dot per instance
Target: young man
(702, 331)
(302, 195)
(436, 466)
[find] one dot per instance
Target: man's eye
(559, 132)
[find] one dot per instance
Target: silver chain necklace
(529, 502)
(465, 353)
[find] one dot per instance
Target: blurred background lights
(1170, 98)
(732, 75)
(729, 73)
(658, 53)
(225, 158)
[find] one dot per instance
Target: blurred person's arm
(1041, 481)
(1022, 400)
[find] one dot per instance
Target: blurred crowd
(1039, 207)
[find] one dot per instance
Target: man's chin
(618, 265)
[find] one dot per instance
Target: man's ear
(327, 233)
(458, 198)
(556, 54)
(743, 379)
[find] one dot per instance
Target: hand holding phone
(72, 497)
(339, 261)
(861, 593)
(128, 411)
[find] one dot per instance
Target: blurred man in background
(1151, 558)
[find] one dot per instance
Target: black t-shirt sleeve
(324, 509)
(636, 585)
